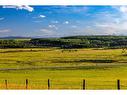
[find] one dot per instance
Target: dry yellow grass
(65, 68)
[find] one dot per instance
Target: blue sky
(57, 21)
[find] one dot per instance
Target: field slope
(66, 68)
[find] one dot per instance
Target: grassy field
(65, 68)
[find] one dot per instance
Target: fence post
(6, 84)
(118, 84)
(26, 83)
(48, 84)
(84, 84)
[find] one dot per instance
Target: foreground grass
(65, 68)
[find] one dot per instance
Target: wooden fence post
(118, 84)
(48, 84)
(6, 84)
(84, 84)
(26, 83)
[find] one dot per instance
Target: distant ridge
(20, 37)
(15, 37)
(64, 37)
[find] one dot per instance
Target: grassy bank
(65, 68)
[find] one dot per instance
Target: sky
(59, 21)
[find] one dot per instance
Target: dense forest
(68, 42)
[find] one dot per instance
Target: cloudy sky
(56, 21)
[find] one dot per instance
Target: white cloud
(109, 23)
(47, 32)
(5, 30)
(123, 9)
(20, 7)
(74, 26)
(66, 22)
(1, 18)
(70, 9)
(103, 25)
(53, 26)
(39, 16)
(42, 16)
(112, 28)
(55, 22)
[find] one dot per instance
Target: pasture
(66, 68)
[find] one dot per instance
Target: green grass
(65, 68)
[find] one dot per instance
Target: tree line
(68, 42)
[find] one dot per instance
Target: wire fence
(59, 84)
